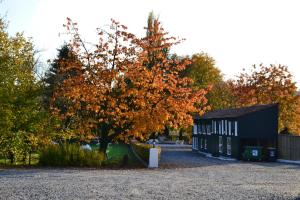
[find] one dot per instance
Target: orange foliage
(269, 84)
(126, 86)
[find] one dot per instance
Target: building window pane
(229, 146)
(229, 127)
(225, 127)
(201, 143)
(235, 128)
(193, 144)
(220, 144)
(205, 144)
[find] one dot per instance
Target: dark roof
(234, 112)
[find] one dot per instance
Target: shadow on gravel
(273, 164)
(186, 158)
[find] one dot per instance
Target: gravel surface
(182, 175)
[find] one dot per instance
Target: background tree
(53, 78)
(221, 96)
(118, 95)
(203, 71)
(269, 84)
(21, 117)
(205, 74)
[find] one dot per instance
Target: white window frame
(222, 127)
(215, 127)
(236, 128)
(195, 129)
(229, 127)
(225, 127)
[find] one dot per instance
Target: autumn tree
(154, 38)
(119, 95)
(297, 131)
(269, 84)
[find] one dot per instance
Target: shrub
(70, 155)
(143, 150)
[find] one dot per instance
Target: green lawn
(116, 153)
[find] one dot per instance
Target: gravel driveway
(183, 175)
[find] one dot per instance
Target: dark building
(227, 132)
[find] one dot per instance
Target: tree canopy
(20, 120)
(118, 96)
(269, 84)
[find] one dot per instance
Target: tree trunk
(104, 139)
(166, 132)
(180, 134)
(29, 158)
(11, 157)
(24, 158)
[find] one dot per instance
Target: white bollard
(153, 158)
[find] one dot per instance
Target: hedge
(143, 150)
(70, 155)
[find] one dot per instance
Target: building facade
(228, 132)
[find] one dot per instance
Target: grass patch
(116, 156)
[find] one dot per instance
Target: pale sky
(236, 33)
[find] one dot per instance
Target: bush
(70, 155)
(143, 150)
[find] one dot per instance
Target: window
(195, 129)
(220, 144)
(222, 128)
(205, 144)
(235, 128)
(193, 144)
(215, 127)
(229, 146)
(208, 129)
(201, 143)
(229, 128)
(232, 129)
(199, 129)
